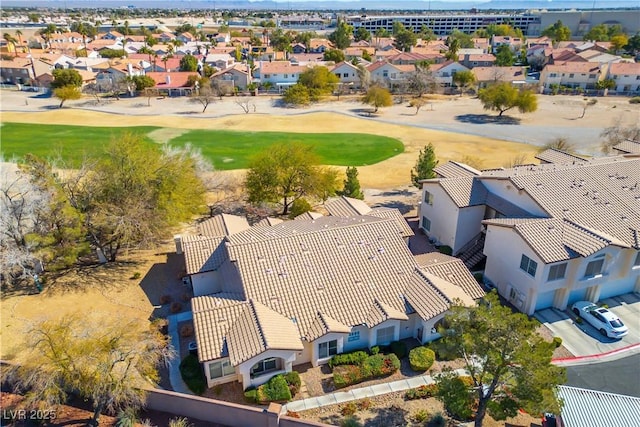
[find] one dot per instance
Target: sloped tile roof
(588, 408)
(622, 68)
(203, 253)
(223, 225)
(346, 206)
(323, 325)
(380, 312)
(451, 291)
(213, 315)
(257, 329)
(464, 191)
(392, 213)
(552, 155)
(628, 146)
(453, 169)
(268, 222)
(421, 298)
(452, 270)
(308, 216)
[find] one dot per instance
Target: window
(556, 272)
(528, 265)
(264, 366)
(592, 76)
(553, 75)
(428, 198)
(354, 336)
(385, 73)
(346, 75)
(594, 268)
(636, 263)
(571, 75)
(266, 76)
(327, 349)
(385, 335)
(221, 369)
(426, 223)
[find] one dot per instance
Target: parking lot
(583, 339)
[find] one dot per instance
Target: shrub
(420, 416)
(437, 420)
(175, 307)
(191, 372)
(421, 358)
(293, 381)
(349, 409)
(399, 348)
(186, 331)
(445, 250)
(293, 414)
(557, 341)
(375, 349)
(442, 351)
(350, 422)
(251, 395)
(136, 275)
(634, 100)
(364, 404)
(165, 299)
(355, 358)
(422, 392)
(274, 390)
(375, 366)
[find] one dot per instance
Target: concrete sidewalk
(174, 366)
(361, 393)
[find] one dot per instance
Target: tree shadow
(391, 416)
(364, 112)
(481, 119)
(401, 193)
(51, 107)
(163, 286)
(327, 383)
(88, 276)
(401, 206)
(186, 113)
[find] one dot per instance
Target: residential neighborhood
(303, 218)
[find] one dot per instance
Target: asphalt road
(620, 376)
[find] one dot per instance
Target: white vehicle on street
(600, 318)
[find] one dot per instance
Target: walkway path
(174, 366)
(361, 393)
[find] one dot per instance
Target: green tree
(605, 84)
(504, 56)
(341, 37)
(106, 361)
(188, 63)
(455, 394)
(280, 40)
(112, 53)
(503, 97)
(377, 97)
(427, 34)
(66, 77)
(464, 79)
(362, 34)
(618, 42)
(465, 41)
(334, 55)
(296, 95)
(351, 185)
(425, 165)
(298, 207)
(365, 55)
(283, 173)
(633, 45)
(558, 32)
(67, 93)
(454, 48)
(405, 40)
(603, 32)
(509, 363)
(136, 192)
(141, 82)
(305, 38)
(319, 81)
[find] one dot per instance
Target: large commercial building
(530, 22)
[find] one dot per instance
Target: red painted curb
(596, 356)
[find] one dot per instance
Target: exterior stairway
(471, 254)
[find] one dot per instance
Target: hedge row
(280, 388)
(431, 390)
(355, 358)
(378, 365)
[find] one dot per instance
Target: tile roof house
(555, 233)
(280, 73)
(239, 74)
(489, 75)
(280, 294)
(588, 408)
(627, 77)
(573, 74)
(172, 83)
(347, 73)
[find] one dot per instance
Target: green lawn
(71, 143)
(225, 149)
(233, 150)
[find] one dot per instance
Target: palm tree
(12, 41)
(19, 36)
(454, 47)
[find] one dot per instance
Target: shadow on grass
(89, 276)
(482, 119)
(392, 416)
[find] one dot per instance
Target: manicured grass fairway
(233, 150)
(72, 143)
(225, 149)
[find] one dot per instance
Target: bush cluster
(192, 375)
(355, 358)
(634, 100)
(421, 358)
(280, 388)
(557, 341)
(422, 392)
(375, 366)
(445, 250)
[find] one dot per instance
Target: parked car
(600, 318)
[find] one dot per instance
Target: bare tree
(246, 104)
(517, 160)
(365, 77)
(588, 103)
(417, 103)
(559, 143)
(204, 96)
(221, 87)
(421, 81)
(616, 133)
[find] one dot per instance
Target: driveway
(584, 339)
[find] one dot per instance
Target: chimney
(168, 79)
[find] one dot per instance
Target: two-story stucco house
(573, 74)
(627, 77)
(552, 234)
(280, 294)
(281, 74)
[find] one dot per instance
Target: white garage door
(577, 295)
(608, 290)
(545, 300)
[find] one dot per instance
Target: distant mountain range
(332, 4)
